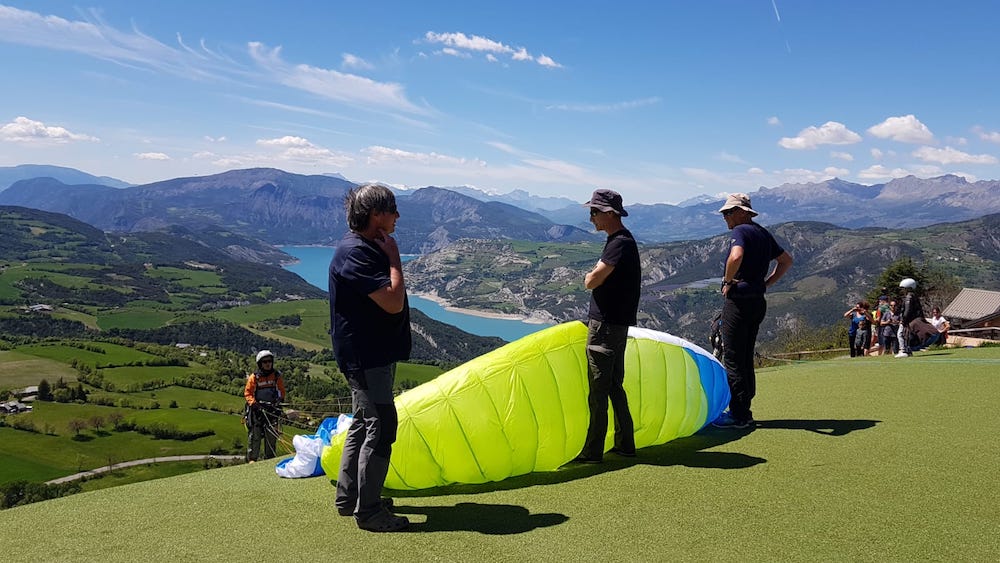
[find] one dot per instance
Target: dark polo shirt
(364, 335)
(616, 301)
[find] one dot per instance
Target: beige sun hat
(738, 200)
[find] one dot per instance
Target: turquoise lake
(314, 264)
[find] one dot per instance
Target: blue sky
(659, 100)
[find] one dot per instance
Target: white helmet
(908, 283)
(264, 354)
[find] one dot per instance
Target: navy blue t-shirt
(616, 301)
(759, 248)
(364, 335)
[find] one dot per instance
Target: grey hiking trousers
(365, 460)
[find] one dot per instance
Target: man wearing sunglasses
(751, 250)
(370, 327)
(614, 303)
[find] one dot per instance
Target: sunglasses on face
(729, 211)
(594, 212)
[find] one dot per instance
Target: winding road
(147, 461)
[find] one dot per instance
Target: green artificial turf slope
(868, 459)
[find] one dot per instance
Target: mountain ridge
(11, 174)
(280, 208)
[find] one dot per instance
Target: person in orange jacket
(264, 392)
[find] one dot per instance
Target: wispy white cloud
(297, 109)
(879, 172)
(378, 154)
(29, 131)
(606, 108)
(842, 155)
(547, 61)
(504, 147)
(286, 141)
(458, 42)
(331, 84)
(905, 129)
(211, 139)
(877, 154)
(151, 156)
(454, 53)
(133, 48)
(991, 136)
(100, 40)
(949, 155)
(830, 133)
(773, 121)
(727, 157)
(348, 60)
(300, 150)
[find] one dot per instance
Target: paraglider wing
(523, 407)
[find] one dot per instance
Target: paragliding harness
(265, 410)
(715, 336)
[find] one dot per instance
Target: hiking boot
(621, 452)
(384, 521)
(726, 420)
(584, 459)
(386, 504)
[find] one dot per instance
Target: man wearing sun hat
(746, 279)
(614, 304)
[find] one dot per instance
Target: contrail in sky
(774, 3)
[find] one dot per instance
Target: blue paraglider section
(309, 448)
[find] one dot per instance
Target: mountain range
(901, 203)
(834, 267)
(11, 174)
(283, 208)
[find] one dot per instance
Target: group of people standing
(370, 328)
(896, 326)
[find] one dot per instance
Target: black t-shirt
(364, 335)
(616, 301)
(759, 248)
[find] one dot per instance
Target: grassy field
(113, 353)
(45, 456)
(136, 317)
(312, 334)
(417, 372)
(23, 370)
(868, 459)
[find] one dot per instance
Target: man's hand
(389, 246)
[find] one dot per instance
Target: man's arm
(281, 389)
(596, 277)
(250, 389)
(391, 297)
(732, 266)
(784, 263)
(733, 263)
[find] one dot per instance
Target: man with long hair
(370, 328)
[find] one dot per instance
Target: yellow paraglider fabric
(523, 407)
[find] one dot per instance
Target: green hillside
(144, 341)
(872, 459)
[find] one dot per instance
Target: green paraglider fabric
(523, 407)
